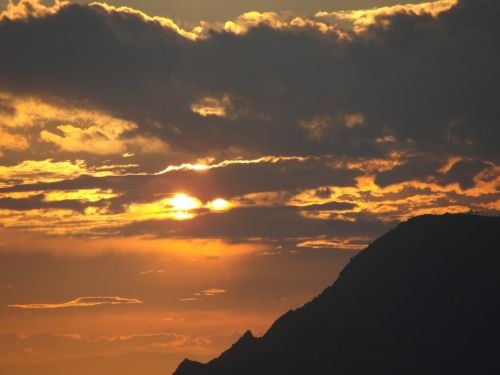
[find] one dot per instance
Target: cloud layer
(223, 172)
(317, 124)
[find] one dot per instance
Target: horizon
(173, 174)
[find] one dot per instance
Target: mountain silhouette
(422, 299)
(127, 364)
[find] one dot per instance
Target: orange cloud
(11, 141)
(362, 19)
(324, 22)
(199, 296)
(356, 243)
(83, 195)
(248, 20)
(81, 302)
(212, 106)
(164, 22)
(45, 171)
(34, 8)
(30, 8)
(225, 163)
(212, 292)
(180, 206)
(219, 205)
(77, 130)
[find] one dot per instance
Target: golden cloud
(83, 195)
(30, 8)
(355, 243)
(12, 141)
(238, 26)
(324, 22)
(80, 302)
(212, 292)
(76, 130)
(403, 200)
(164, 22)
(201, 167)
(46, 171)
(199, 296)
(179, 206)
(249, 20)
(212, 106)
(364, 18)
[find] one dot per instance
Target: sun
(219, 205)
(182, 202)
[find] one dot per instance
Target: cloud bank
(301, 126)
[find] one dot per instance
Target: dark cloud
(37, 202)
(413, 91)
(270, 223)
(464, 172)
(331, 206)
(430, 83)
(229, 181)
(415, 169)
(427, 168)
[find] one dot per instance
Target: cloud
(200, 296)
(212, 106)
(152, 272)
(47, 171)
(72, 130)
(295, 197)
(80, 302)
(10, 141)
(212, 292)
(363, 19)
(379, 75)
(396, 118)
(23, 9)
(355, 243)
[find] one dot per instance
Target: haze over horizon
(173, 173)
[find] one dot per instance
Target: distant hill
(128, 364)
(422, 299)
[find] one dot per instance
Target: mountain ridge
(412, 302)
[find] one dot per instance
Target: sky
(222, 10)
(173, 173)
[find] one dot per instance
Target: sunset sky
(173, 173)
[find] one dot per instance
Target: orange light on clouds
(212, 106)
(183, 202)
(218, 205)
(183, 215)
(177, 207)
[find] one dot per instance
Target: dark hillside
(422, 299)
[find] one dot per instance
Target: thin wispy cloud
(80, 302)
(200, 296)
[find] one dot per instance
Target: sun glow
(180, 207)
(218, 205)
(183, 202)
